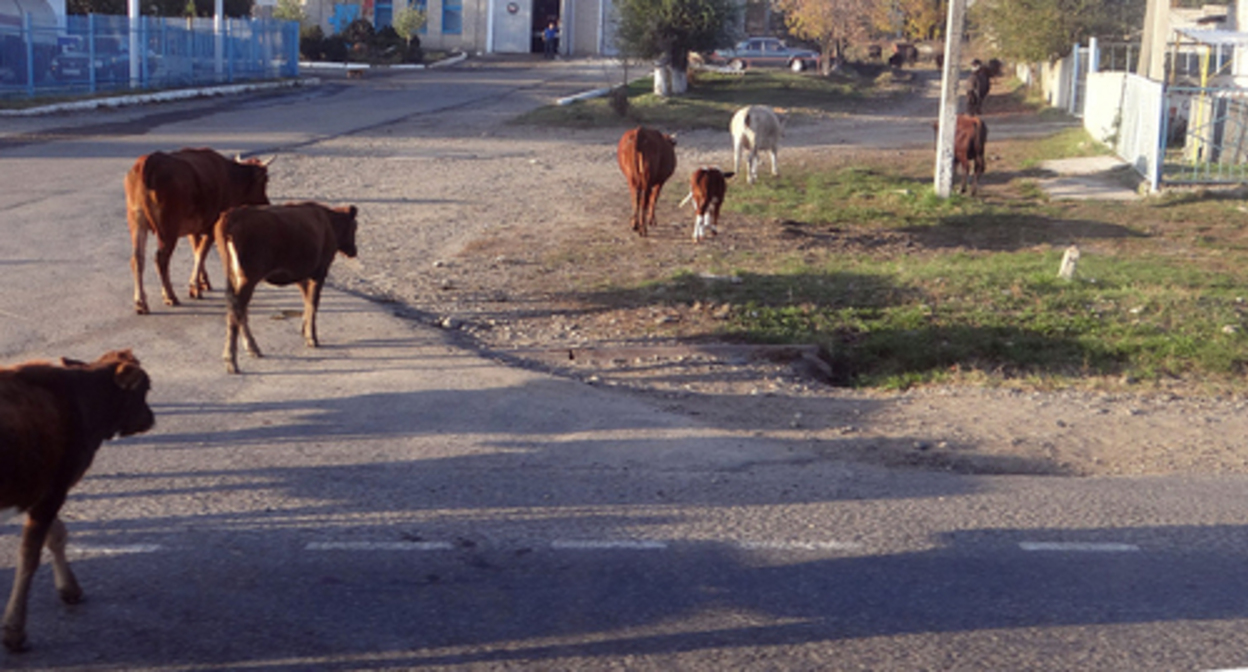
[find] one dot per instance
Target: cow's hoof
(15, 641)
(70, 595)
(231, 367)
(172, 302)
(141, 308)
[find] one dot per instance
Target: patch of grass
(710, 102)
(902, 288)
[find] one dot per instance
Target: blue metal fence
(93, 53)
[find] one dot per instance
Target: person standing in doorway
(550, 37)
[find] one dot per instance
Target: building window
(423, 6)
(452, 17)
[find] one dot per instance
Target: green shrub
(311, 43)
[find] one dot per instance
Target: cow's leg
(199, 272)
(163, 254)
(66, 583)
(698, 233)
(752, 165)
(774, 171)
(737, 145)
(138, 239)
(311, 289)
(235, 320)
(712, 218)
(654, 204)
(34, 534)
(639, 209)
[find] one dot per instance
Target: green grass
(711, 100)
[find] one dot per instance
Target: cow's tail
(686, 200)
(229, 257)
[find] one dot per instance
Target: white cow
(755, 128)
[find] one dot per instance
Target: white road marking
(593, 545)
(129, 549)
(379, 546)
(1079, 546)
(799, 545)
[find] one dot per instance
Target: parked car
(756, 52)
(111, 62)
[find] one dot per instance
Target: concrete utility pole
(132, 9)
(218, 43)
(948, 123)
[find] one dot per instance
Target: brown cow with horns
(179, 194)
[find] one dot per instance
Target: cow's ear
(70, 363)
(354, 211)
(129, 376)
(728, 175)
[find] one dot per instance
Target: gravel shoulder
(480, 226)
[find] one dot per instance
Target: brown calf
(647, 159)
(707, 187)
(279, 244)
(969, 142)
(52, 421)
(179, 194)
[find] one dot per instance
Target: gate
(1206, 135)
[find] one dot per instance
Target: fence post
(1074, 80)
(229, 52)
(91, 83)
(1094, 55)
(28, 34)
(1154, 180)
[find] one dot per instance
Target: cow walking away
(707, 188)
(969, 144)
(647, 158)
(754, 129)
(179, 194)
(53, 418)
(977, 88)
(279, 244)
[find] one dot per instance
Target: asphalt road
(396, 501)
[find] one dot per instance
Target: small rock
(448, 284)
(1230, 329)
(451, 323)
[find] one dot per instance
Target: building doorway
(544, 12)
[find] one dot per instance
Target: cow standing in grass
(754, 129)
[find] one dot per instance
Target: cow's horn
(269, 162)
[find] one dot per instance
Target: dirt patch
(516, 239)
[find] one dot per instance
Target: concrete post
(948, 123)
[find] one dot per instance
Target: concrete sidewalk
(1099, 178)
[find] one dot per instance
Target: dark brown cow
(179, 194)
(707, 187)
(647, 158)
(969, 143)
(977, 88)
(52, 421)
(281, 245)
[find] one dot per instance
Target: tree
(408, 22)
(668, 30)
(831, 23)
(1044, 30)
(914, 19)
(290, 10)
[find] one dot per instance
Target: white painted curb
(158, 97)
